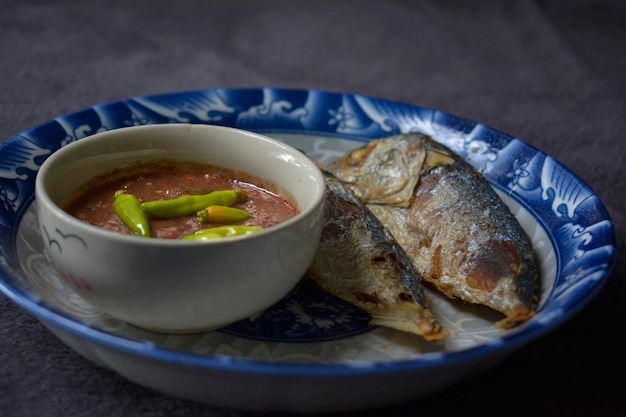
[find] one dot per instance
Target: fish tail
(408, 318)
(515, 317)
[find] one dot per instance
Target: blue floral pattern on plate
(571, 230)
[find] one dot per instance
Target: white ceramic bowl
(171, 285)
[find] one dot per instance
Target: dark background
(552, 73)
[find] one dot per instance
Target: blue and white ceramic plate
(310, 352)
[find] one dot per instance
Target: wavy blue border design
(574, 217)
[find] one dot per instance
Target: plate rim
(147, 349)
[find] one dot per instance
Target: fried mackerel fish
(459, 234)
(360, 262)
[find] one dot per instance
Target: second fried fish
(459, 234)
(360, 262)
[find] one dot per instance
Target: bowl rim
(42, 195)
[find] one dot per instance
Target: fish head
(384, 171)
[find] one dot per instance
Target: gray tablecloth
(552, 73)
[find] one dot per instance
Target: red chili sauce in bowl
(167, 180)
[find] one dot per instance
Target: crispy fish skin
(457, 231)
(360, 262)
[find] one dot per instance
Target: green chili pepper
(128, 208)
(241, 194)
(222, 214)
(190, 204)
(222, 231)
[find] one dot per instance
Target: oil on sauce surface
(167, 180)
